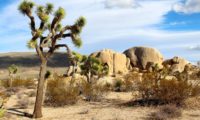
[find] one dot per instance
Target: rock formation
(141, 57)
(117, 62)
(176, 64)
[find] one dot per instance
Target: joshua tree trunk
(10, 80)
(40, 91)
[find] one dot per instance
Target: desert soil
(110, 108)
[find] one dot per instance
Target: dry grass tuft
(92, 91)
(166, 112)
(19, 82)
(59, 92)
(192, 103)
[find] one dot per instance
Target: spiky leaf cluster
(80, 59)
(60, 13)
(76, 41)
(13, 69)
(81, 22)
(31, 44)
(26, 6)
(41, 12)
(49, 8)
(94, 66)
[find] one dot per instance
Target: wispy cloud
(190, 6)
(194, 47)
(121, 4)
(177, 23)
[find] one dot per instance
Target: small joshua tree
(92, 66)
(45, 39)
(12, 71)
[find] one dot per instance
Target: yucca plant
(45, 39)
(12, 71)
(92, 66)
(77, 60)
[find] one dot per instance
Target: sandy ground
(110, 108)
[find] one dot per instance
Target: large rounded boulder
(117, 62)
(142, 56)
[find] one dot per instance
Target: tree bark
(40, 91)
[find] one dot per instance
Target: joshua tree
(77, 60)
(92, 66)
(45, 39)
(12, 71)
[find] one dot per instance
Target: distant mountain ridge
(30, 59)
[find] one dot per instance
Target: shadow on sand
(17, 112)
(142, 102)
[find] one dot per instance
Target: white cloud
(121, 3)
(123, 27)
(190, 6)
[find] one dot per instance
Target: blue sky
(171, 26)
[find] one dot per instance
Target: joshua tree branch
(39, 52)
(67, 35)
(42, 25)
(54, 24)
(44, 40)
(59, 35)
(69, 52)
(32, 24)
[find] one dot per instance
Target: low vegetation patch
(59, 92)
(92, 91)
(192, 103)
(157, 87)
(166, 112)
(18, 82)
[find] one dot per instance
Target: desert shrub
(18, 82)
(130, 81)
(118, 85)
(108, 86)
(154, 85)
(92, 91)
(59, 93)
(166, 112)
